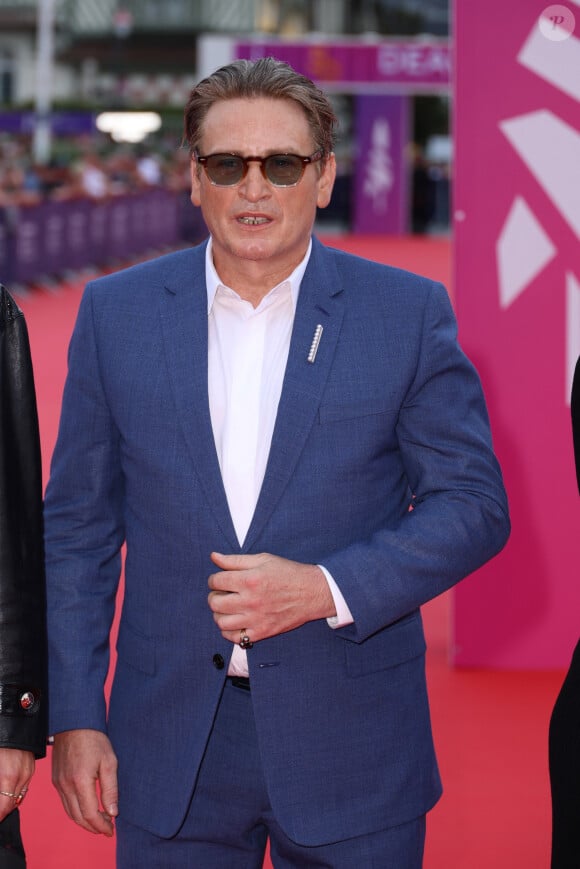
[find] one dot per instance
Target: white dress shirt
(247, 354)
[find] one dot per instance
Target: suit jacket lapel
(184, 324)
(320, 303)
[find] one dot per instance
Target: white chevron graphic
(550, 148)
(523, 249)
(556, 62)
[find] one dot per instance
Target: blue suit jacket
(390, 414)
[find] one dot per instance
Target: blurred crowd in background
(91, 166)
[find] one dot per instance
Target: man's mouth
(252, 221)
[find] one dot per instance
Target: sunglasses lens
(283, 170)
(225, 169)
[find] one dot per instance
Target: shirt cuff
(343, 615)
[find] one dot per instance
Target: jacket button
(27, 700)
(218, 662)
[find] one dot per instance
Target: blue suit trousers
(230, 818)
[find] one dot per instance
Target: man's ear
(326, 181)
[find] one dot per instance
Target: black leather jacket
(576, 418)
(23, 700)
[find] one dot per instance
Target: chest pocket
(338, 412)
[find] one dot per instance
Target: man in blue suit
(296, 454)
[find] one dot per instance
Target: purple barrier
(192, 226)
(62, 123)
(53, 237)
(26, 246)
(154, 219)
(120, 241)
(98, 231)
(50, 238)
(5, 259)
(77, 251)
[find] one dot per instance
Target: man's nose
(254, 186)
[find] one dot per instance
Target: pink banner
(422, 65)
(517, 289)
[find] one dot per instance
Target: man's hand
(16, 769)
(80, 760)
(265, 595)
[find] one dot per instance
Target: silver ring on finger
(245, 642)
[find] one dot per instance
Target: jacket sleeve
(84, 535)
(23, 647)
(459, 517)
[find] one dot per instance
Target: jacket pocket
(135, 649)
(394, 645)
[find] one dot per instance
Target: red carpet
(490, 727)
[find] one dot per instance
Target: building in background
(145, 51)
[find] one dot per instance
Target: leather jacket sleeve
(23, 700)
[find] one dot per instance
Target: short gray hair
(267, 77)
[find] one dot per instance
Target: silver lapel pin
(315, 342)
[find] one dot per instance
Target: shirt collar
(213, 281)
